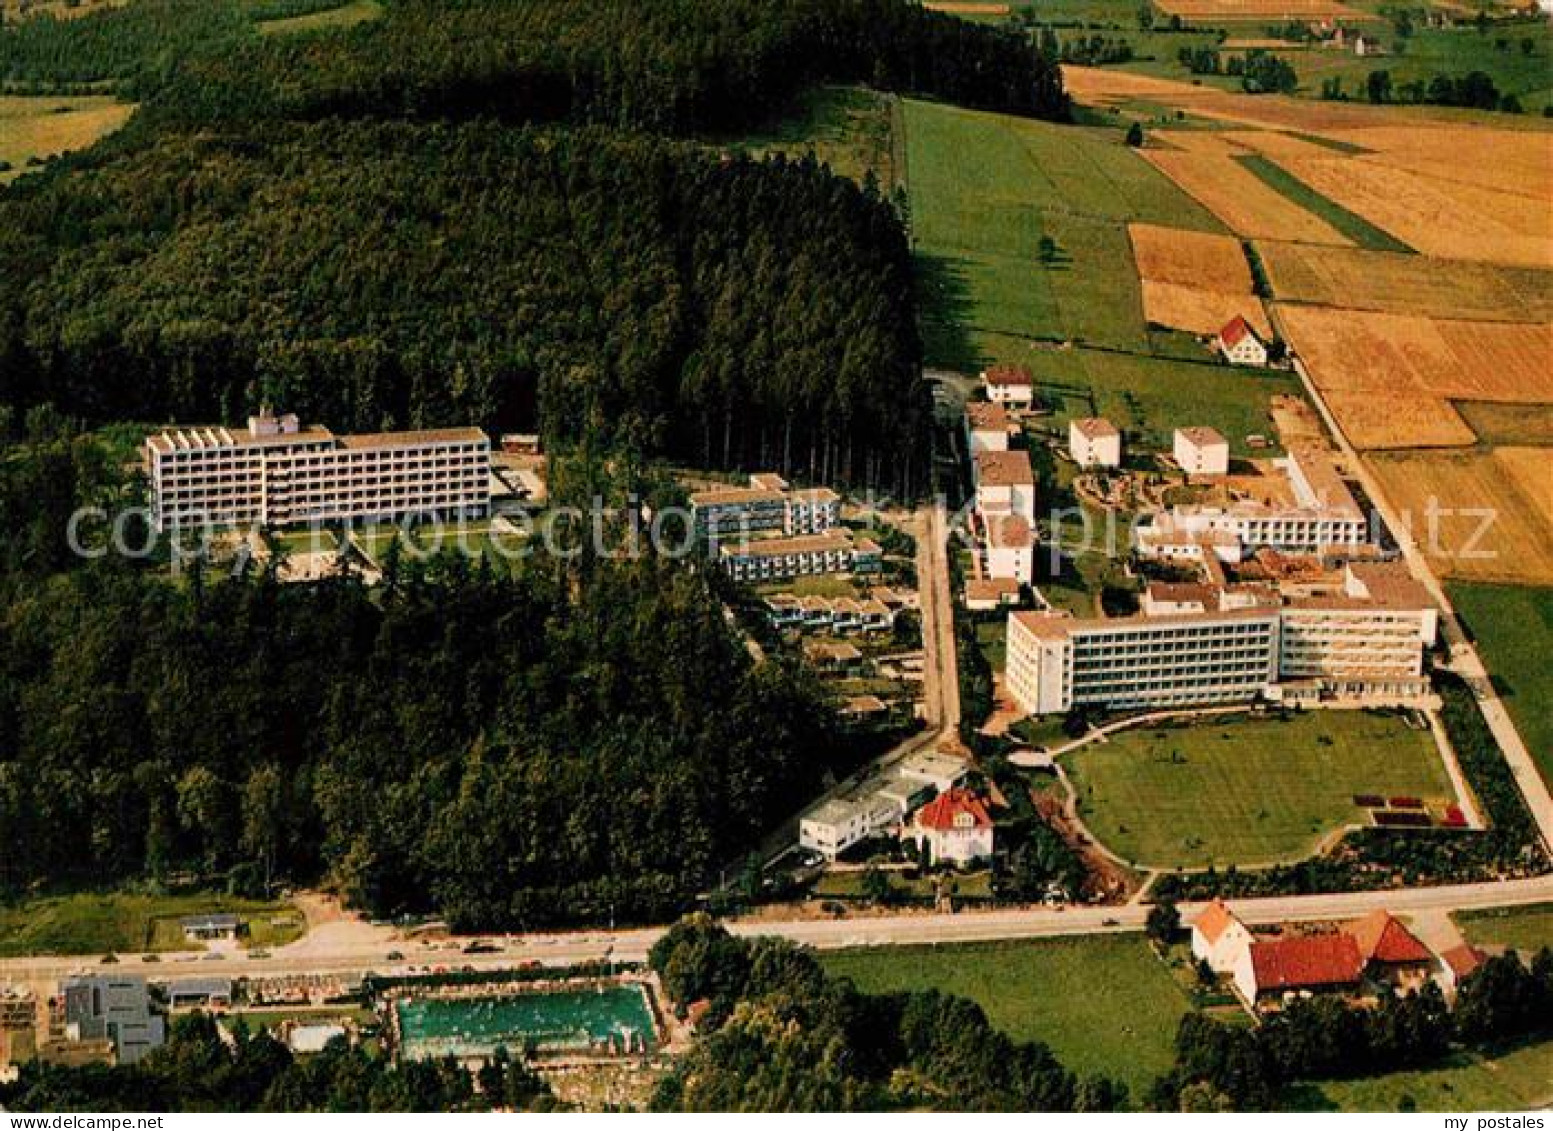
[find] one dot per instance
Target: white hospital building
(277, 472)
(1366, 640)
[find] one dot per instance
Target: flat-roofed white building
(767, 505)
(1009, 385)
(987, 426)
(1010, 548)
(1095, 442)
(277, 472)
(1201, 451)
(774, 559)
(1005, 484)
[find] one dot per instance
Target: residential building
(1219, 938)
(987, 426)
(777, 559)
(1201, 451)
(18, 1026)
(766, 506)
(1457, 965)
(1010, 548)
(833, 656)
(200, 992)
(832, 827)
(1009, 385)
(936, 768)
(983, 594)
(277, 472)
(115, 1008)
(1267, 971)
(1057, 663)
(861, 709)
(207, 928)
(953, 828)
(1239, 343)
(1095, 442)
(1005, 484)
(1392, 954)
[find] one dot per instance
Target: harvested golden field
(1200, 311)
(1407, 284)
(59, 9)
(45, 125)
(1190, 259)
(1377, 421)
(1265, 10)
(1245, 203)
(1491, 512)
(1448, 219)
(1519, 162)
(1515, 424)
(1362, 351)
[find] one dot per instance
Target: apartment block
(116, 1008)
(1010, 548)
(1095, 442)
(1005, 485)
(987, 426)
(1202, 644)
(777, 559)
(277, 472)
(767, 506)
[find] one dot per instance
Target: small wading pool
(616, 1016)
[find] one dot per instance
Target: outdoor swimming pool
(548, 1020)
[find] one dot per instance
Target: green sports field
(1105, 1004)
(1513, 626)
(1249, 791)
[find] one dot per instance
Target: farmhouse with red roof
(1267, 971)
(1391, 952)
(1009, 384)
(954, 827)
(1238, 342)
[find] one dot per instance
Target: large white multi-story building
(1010, 548)
(766, 506)
(777, 559)
(1323, 515)
(277, 472)
(1366, 641)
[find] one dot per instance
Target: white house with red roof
(1267, 971)
(1218, 938)
(954, 828)
(1009, 385)
(1238, 342)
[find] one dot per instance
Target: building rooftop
(984, 416)
(223, 921)
(1009, 532)
(415, 439)
(991, 588)
(815, 495)
(942, 813)
(1236, 330)
(1383, 938)
(1006, 375)
(1463, 959)
(1004, 469)
(1200, 436)
(1214, 920)
(734, 496)
(1309, 962)
(828, 542)
(1095, 428)
(1326, 487)
(1055, 627)
(1387, 583)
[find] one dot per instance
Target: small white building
(987, 426)
(954, 828)
(1239, 343)
(1010, 548)
(1005, 484)
(1095, 442)
(1201, 451)
(1218, 938)
(986, 594)
(832, 827)
(1009, 385)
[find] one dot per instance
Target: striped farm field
(1200, 311)
(1406, 284)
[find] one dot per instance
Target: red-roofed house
(1457, 964)
(1218, 938)
(1267, 971)
(954, 827)
(1009, 384)
(1238, 342)
(1391, 952)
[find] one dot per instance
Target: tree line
(779, 1034)
(509, 751)
(372, 275)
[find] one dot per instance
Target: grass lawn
(1350, 224)
(1513, 625)
(127, 923)
(848, 128)
(42, 126)
(1247, 791)
(1523, 928)
(1513, 1081)
(849, 885)
(1104, 1004)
